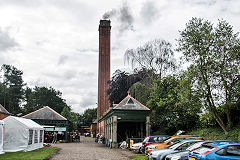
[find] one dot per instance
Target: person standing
(54, 138)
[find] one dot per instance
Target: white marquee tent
(21, 134)
(1, 137)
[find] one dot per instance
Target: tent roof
(27, 122)
(129, 103)
(3, 110)
(45, 113)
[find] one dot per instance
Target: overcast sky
(55, 42)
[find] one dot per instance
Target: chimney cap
(104, 22)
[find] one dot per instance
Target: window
(233, 151)
(35, 136)
(41, 136)
(221, 152)
(146, 140)
(203, 149)
(176, 140)
(185, 146)
(30, 136)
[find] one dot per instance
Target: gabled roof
(45, 113)
(129, 103)
(3, 110)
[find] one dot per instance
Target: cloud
(62, 59)
(6, 41)
(88, 50)
(89, 100)
(149, 11)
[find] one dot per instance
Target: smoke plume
(123, 16)
(109, 14)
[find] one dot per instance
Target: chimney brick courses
(104, 67)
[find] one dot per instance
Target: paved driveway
(87, 149)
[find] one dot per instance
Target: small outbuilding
(1, 137)
(128, 119)
(51, 121)
(21, 134)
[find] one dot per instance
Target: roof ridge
(56, 112)
(44, 108)
(129, 96)
(33, 112)
(140, 103)
(121, 102)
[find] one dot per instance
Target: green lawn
(39, 154)
(139, 157)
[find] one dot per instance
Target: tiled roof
(45, 113)
(3, 110)
(129, 103)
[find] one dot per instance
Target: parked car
(136, 147)
(87, 134)
(169, 141)
(151, 139)
(134, 143)
(184, 155)
(160, 154)
(216, 151)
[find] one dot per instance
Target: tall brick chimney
(104, 66)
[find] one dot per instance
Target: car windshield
(202, 149)
(173, 146)
(195, 145)
(167, 139)
(145, 140)
(153, 139)
(184, 146)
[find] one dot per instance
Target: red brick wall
(101, 128)
(104, 66)
(93, 129)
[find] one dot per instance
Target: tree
(173, 104)
(156, 55)
(88, 116)
(141, 92)
(120, 84)
(71, 117)
(226, 64)
(214, 53)
(43, 96)
(12, 88)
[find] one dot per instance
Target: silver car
(160, 154)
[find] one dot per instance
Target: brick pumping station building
(129, 118)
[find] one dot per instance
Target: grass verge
(139, 157)
(38, 154)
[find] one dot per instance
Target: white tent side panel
(16, 134)
(1, 137)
